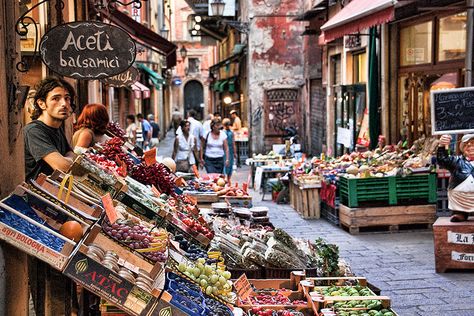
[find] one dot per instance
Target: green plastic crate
(354, 192)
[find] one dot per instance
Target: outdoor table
(263, 173)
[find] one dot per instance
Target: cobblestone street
(400, 264)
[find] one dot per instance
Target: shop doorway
(414, 111)
(194, 98)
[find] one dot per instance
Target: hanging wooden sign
(124, 79)
(87, 50)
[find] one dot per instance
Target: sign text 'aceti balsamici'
(87, 50)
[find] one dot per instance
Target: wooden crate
(391, 218)
(305, 200)
(453, 244)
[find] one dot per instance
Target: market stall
(131, 231)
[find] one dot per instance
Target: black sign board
(107, 284)
(125, 79)
(452, 111)
(87, 50)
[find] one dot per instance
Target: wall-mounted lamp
(227, 99)
(164, 32)
(183, 52)
(217, 7)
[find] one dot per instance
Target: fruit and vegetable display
(260, 311)
(211, 279)
(361, 308)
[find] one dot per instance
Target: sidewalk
(400, 264)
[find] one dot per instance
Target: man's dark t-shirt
(41, 140)
(156, 130)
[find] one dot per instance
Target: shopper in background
(176, 118)
(215, 152)
(206, 126)
(146, 132)
(217, 115)
(196, 128)
(90, 127)
(46, 146)
(131, 130)
(155, 134)
(184, 150)
(232, 148)
(461, 182)
(236, 122)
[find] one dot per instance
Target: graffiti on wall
(257, 116)
(281, 111)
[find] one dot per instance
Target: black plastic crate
(329, 213)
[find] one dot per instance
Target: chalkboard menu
(452, 111)
(87, 50)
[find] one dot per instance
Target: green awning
(222, 85)
(155, 77)
(231, 85)
(216, 85)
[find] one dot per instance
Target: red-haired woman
(90, 127)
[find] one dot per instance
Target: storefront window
(360, 67)
(452, 37)
(415, 44)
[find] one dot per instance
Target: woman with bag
(215, 150)
(232, 148)
(184, 150)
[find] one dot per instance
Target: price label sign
(109, 208)
(243, 287)
(150, 156)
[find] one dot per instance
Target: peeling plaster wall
(275, 57)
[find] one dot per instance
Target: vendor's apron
(461, 198)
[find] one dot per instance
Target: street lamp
(217, 7)
(164, 32)
(183, 52)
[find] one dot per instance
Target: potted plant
(277, 187)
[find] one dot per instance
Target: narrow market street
(400, 264)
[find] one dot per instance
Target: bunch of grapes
(136, 237)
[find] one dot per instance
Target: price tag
(243, 287)
(155, 191)
(150, 156)
(109, 208)
(122, 170)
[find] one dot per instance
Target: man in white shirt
(207, 124)
(196, 129)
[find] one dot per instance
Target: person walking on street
(184, 150)
(131, 130)
(215, 152)
(206, 126)
(46, 146)
(176, 117)
(196, 128)
(155, 135)
(90, 127)
(146, 131)
(232, 148)
(236, 122)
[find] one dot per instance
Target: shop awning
(143, 35)
(155, 77)
(222, 85)
(140, 90)
(356, 16)
(232, 85)
(216, 85)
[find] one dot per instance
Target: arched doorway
(194, 98)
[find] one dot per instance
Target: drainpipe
(469, 42)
